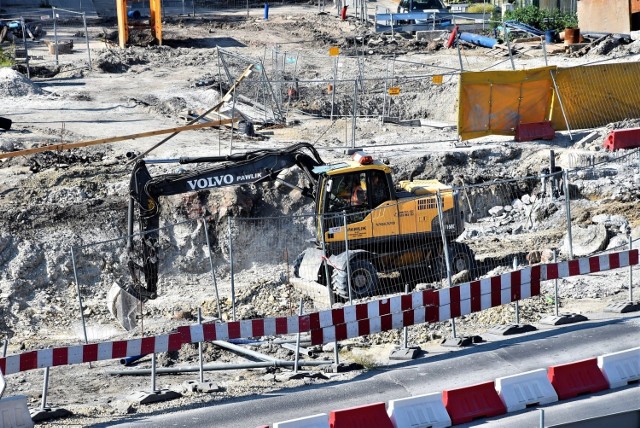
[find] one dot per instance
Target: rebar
(75, 276)
(213, 273)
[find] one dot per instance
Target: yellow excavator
(390, 227)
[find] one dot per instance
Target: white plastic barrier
(419, 412)
(620, 368)
(315, 421)
(525, 389)
(14, 412)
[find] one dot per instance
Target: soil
(54, 201)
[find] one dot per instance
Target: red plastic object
(343, 13)
(452, 36)
(571, 380)
(370, 416)
(622, 139)
(535, 131)
(473, 402)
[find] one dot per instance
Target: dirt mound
(14, 84)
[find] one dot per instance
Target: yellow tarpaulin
(495, 102)
(596, 95)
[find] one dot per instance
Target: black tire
(462, 258)
(364, 280)
(296, 265)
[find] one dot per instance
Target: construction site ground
(51, 201)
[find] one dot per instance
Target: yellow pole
(123, 25)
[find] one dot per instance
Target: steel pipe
(218, 367)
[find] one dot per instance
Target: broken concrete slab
(563, 319)
(48, 413)
(586, 240)
(623, 307)
(204, 387)
(148, 397)
(342, 367)
(410, 353)
(510, 329)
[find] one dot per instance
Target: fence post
(75, 276)
(45, 389)
(333, 88)
(233, 288)
(328, 281)
(213, 273)
(297, 356)
(355, 107)
(445, 248)
(555, 283)
(153, 373)
(200, 362)
(567, 199)
(86, 37)
(346, 249)
(517, 302)
(55, 32)
(630, 266)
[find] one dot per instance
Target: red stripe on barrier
(476, 296)
(90, 353)
(535, 280)
(337, 315)
(369, 416)
(3, 365)
(209, 332)
(363, 327)
(432, 310)
(516, 285)
(61, 356)
(314, 320)
(552, 271)
(614, 260)
(185, 332)
(119, 349)
(633, 257)
(29, 361)
(384, 307)
(594, 264)
(362, 311)
(386, 322)
(473, 402)
(317, 338)
(454, 301)
(341, 331)
(407, 318)
(175, 342)
(147, 345)
(406, 302)
(257, 326)
(496, 290)
(571, 380)
(281, 325)
(234, 330)
(574, 267)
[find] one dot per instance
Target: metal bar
(55, 31)
(333, 88)
(346, 249)
(555, 286)
(405, 329)
(45, 389)
(336, 358)
(75, 276)
(297, 351)
(243, 351)
(233, 288)
(200, 362)
(4, 347)
(567, 199)
(219, 367)
(564, 114)
(517, 304)
(630, 238)
(445, 247)
(355, 107)
(153, 372)
(86, 37)
(213, 273)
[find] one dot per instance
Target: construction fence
(244, 268)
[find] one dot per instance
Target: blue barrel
(266, 11)
(134, 14)
(550, 36)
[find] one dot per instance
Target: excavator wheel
(461, 258)
(364, 280)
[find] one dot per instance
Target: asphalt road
(435, 372)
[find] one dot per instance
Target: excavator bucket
(123, 306)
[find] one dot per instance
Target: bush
(6, 58)
(543, 19)
(481, 8)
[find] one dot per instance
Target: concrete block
(147, 397)
(420, 411)
(620, 368)
(14, 412)
(525, 389)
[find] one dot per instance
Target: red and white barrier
(571, 380)
(473, 402)
(420, 411)
(525, 389)
(620, 368)
(369, 416)
(342, 323)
